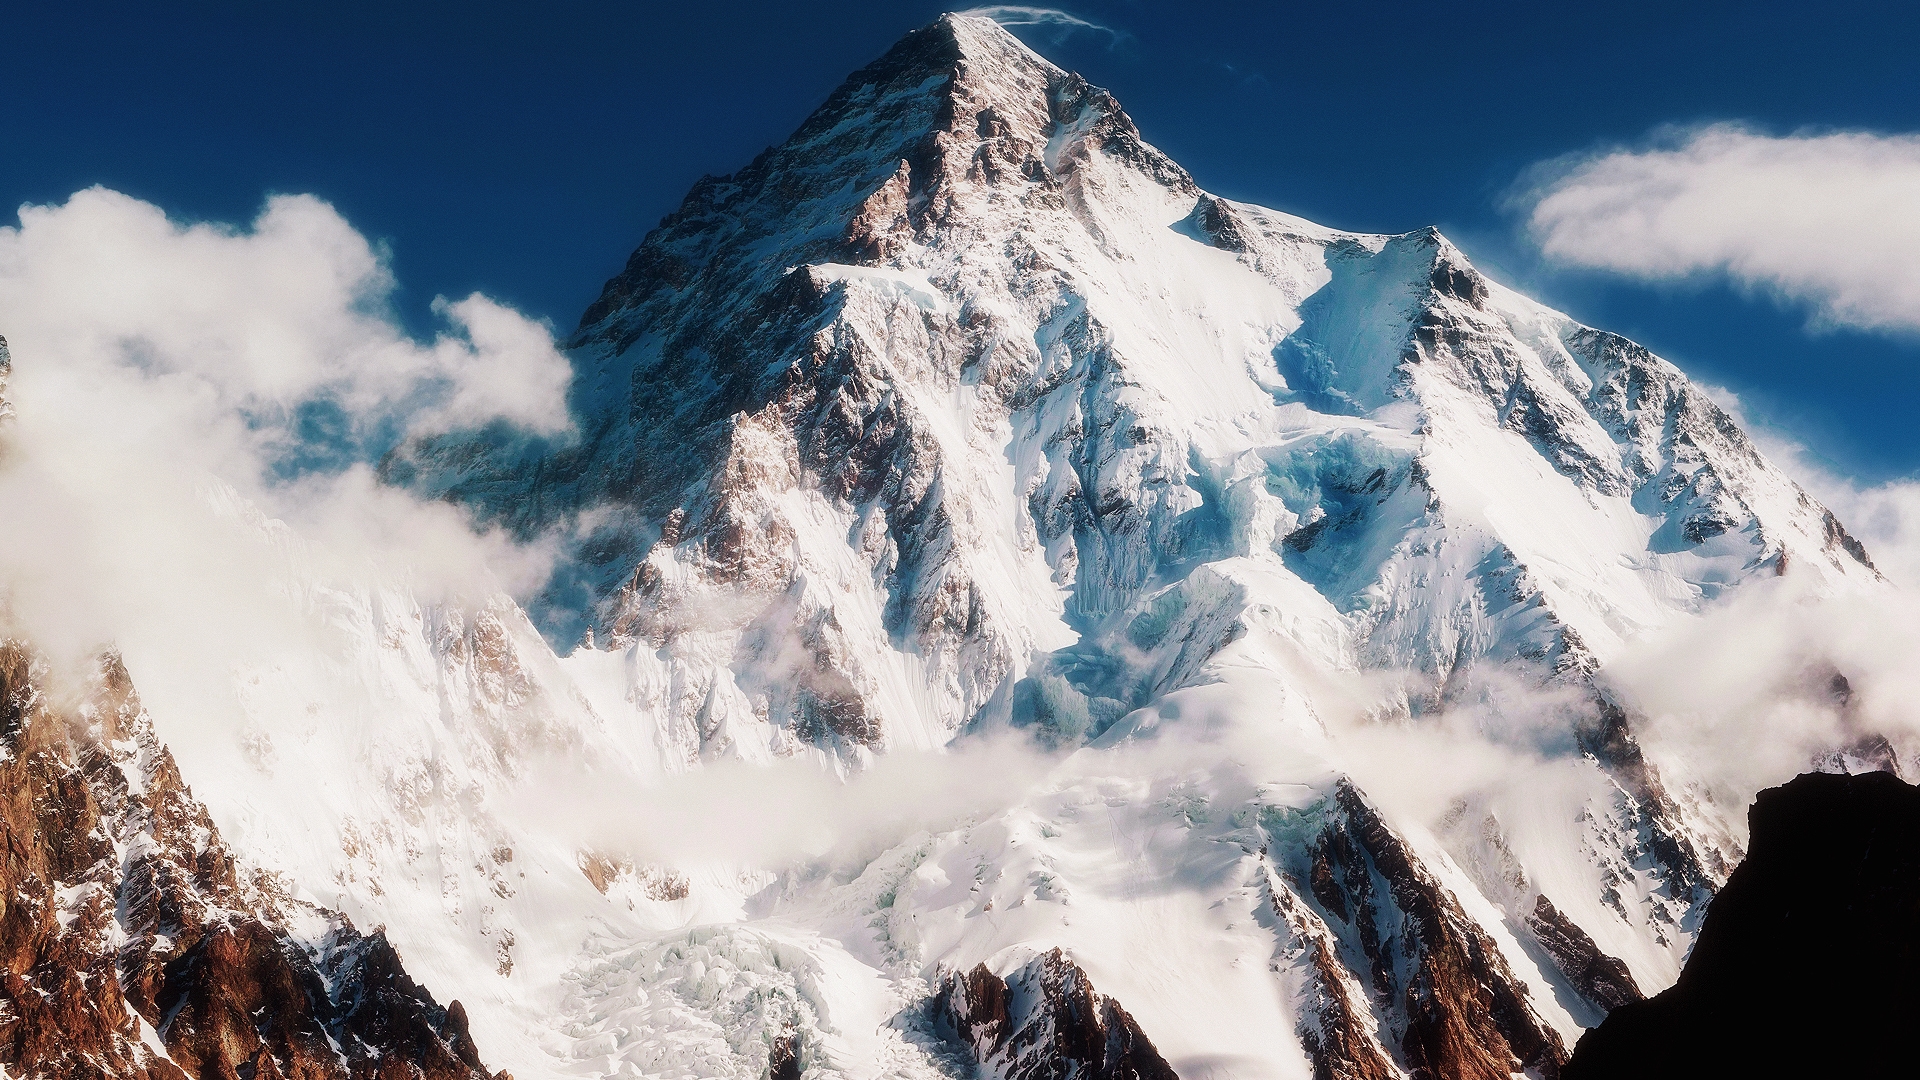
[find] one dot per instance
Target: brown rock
(1065, 1027)
(207, 964)
(1603, 980)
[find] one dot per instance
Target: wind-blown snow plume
(1827, 219)
(1032, 15)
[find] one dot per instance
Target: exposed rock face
(1336, 1026)
(1045, 1020)
(1458, 1009)
(1603, 980)
(132, 945)
(1804, 964)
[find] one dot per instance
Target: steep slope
(132, 944)
(1803, 964)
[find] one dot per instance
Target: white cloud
(292, 311)
(1831, 220)
(175, 388)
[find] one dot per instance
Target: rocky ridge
(1045, 1019)
(132, 943)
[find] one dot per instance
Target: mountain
(965, 373)
(966, 409)
(1801, 965)
(1011, 599)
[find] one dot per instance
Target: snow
(911, 286)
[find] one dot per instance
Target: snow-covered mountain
(1006, 563)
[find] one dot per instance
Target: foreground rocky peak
(133, 944)
(1805, 956)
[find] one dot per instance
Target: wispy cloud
(1246, 78)
(1831, 220)
(1026, 15)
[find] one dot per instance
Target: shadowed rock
(1804, 965)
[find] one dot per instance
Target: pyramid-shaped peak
(966, 74)
(940, 56)
(956, 36)
(957, 106)
(981, 38)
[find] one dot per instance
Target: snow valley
(985, 606)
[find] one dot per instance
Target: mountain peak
(958, 103)
(955, 55)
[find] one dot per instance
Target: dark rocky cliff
(1805, 962)
(1045, 1020)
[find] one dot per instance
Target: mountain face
(946, 390)
(1091, 535)
(966, 410)
(1769, 990)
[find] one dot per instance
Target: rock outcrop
(1043, 1021)
(1457, 1008)
(1602, 980)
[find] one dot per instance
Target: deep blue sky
(524, 149)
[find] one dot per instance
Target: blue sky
(524, 150)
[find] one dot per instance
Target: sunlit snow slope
(996, 544)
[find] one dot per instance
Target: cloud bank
(1830, 220)
(197, 405)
